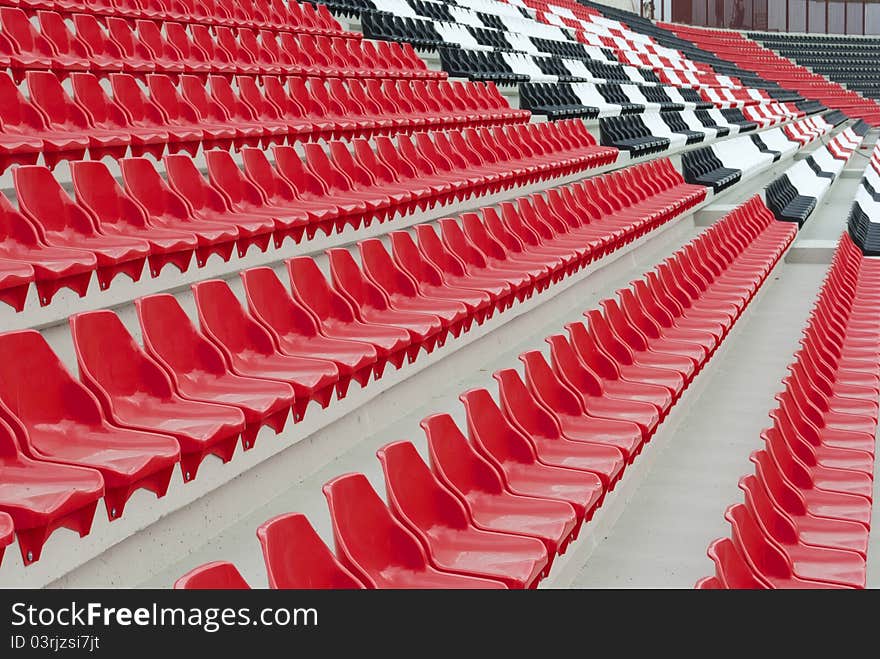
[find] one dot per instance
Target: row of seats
(794, 194)
(599, 51)
(110, 229)
(563, 432)
(245, 368)
(590, 100)
(846, 60)
(863, 222)
(287, 15)
(806, 515)
(737, 47)
(721, 165)
(514, 68)
(191, 114)
(655, 132)
(174, 48)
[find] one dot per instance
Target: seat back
(297, 558)
(455, 461)
(415, 495)
(368, 538)
(219, 575)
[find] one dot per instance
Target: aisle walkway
(661, 538)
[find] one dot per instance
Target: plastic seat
(732, 571)
(250, 129)
(199, 372)
(30, 50)
(15, 279)
(608, 371)
(167, 209)
(194, 59)
(455, 272)
(165, 56)
(404, 294)
(553, 448)
(26, 131)
(219, 58)
(219, 575)
(227, 39)
(70, 53)
(104, 53)
(514, 455)
(279, 191)
(431, 281)
(149, 119)
(249, 350)
(98, 193)
(821, 560)
(378, 549)
(136, 57)
(361, 207)
(585, 383)
(59, 420)
(109, 119)
(135, 392)
(433, 513)
(52, 268)
(60, 222)
(567, 408)
(247, 199)
(337, 317)
(765, 558)
(269, 115)
(296, 332)
(66, 117)
(372, 305)
(39, 497)
(297, 558)
(327, 211)
(181, 119)
(481, 489)
(209, 205)
(214, 119)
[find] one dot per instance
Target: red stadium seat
(551, 445)
(135, 392)
(209, 205)
(514, 455)
(481, 488)
(433, 513)
(54, 268)
(250, 351)
(247, 199)
(199, 372)
(39, 496)
(337, 317)
(296, 332)
(60, 222)
(59, 420)
(219, 575)
(118, 214)
(297, 558)
(568, 409)
(372, 305)
(167, 209)
(378, 549)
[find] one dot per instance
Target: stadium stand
(232, 234)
